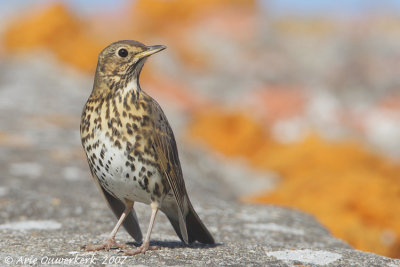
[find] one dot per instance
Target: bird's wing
(131, 223)
(167, 156)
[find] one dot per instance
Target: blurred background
(303, 95)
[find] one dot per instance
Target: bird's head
(121, 62)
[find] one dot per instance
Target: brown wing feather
(165, 147)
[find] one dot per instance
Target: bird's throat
(109, 87)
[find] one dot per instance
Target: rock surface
(50, 207)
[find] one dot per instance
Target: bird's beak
(151, 50)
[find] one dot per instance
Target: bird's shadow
(176, 244)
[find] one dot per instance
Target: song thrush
(131, 149)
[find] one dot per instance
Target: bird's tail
(196, 230)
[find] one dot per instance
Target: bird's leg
(110, 242)
(146, 243)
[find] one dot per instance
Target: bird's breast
(116, 136)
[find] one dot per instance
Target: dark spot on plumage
(128, 146)
(146, 181)
(115, 109)
(139, 155)
(98, 168)
(136, 146)
(134, 178)
(133, 97)
(101, 163)
(126, 106)
(124, 114)
(127, 163)
(156, 190)
(118, 144)
(165, 185)
(129, 130)
(136, 118)
(144, 106)
(134, 126)
(109, 161)
(149, 173)
(146, 150)
(115, 132)
(108, 110)
(133, 167)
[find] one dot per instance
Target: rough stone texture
(49, 207)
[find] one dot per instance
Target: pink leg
(145, 246)
(110, 242)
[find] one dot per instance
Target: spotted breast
(119, 149)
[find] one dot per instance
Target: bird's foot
(142, 249)
(109, 244)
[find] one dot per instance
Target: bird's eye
(123, 52)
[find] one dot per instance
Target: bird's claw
(142, 249)
(109, 244)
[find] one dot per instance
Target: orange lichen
(157, 15)
(279, 102)
(231, 134)
(54, 29)
(78, 42)
(179, 21)
(354, 192)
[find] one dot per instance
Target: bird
(132, 152)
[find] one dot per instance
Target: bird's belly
(126, 178)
